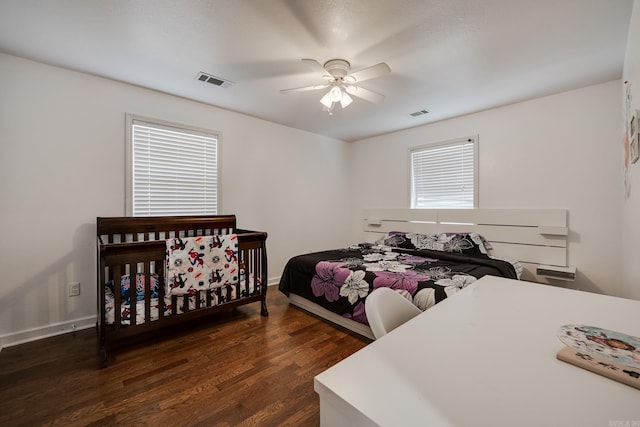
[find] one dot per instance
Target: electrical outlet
(74, 289)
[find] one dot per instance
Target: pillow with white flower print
(463, 243)
(396, 239)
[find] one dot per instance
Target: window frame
(130, 119)
(451, 142)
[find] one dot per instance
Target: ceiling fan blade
(366, 94)
(315, 66)
(304, 88)
(368, 73)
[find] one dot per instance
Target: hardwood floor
(238, 369)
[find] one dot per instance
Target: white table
(484, 357)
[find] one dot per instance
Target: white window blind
(443, 176)
(174, 171)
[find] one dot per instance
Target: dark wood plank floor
(237, 369)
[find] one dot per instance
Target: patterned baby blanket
(201, 263)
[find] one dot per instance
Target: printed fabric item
(125, 287)
(463, 243)
(125, 299)
(125, 311)
(218, 296)
(201, 263)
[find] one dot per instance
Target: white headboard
(535, 237)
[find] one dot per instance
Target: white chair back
(386, 309)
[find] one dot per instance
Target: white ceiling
(450, 57)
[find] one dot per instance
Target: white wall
(62, 165)
(561, 151)
(630, 223)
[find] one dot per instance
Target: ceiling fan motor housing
(338, 68)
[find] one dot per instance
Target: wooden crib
(131, 274)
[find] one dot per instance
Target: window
(444, 175)
(171, 169)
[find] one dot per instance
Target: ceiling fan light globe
(335, 93)
(346, 100)
(326, 100)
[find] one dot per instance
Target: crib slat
(147, 291)
(133, 294)
(174, 305)
(209, 298)
(256, 267)
(161, 301)
(115, 275)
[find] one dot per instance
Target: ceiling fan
(342, 82)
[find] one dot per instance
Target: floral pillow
(396, 239)
(463, 243)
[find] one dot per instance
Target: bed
(427, 256)
(154, 272)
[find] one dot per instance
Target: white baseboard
(273, 281)
(64, 327)
(35, 334)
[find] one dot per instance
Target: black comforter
(340, 280)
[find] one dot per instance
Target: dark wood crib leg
(103, 357)
(102, 346)
(263, 294)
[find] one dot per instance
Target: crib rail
(127, 229)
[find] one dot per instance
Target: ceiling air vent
(208, 78)
(419, 113)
